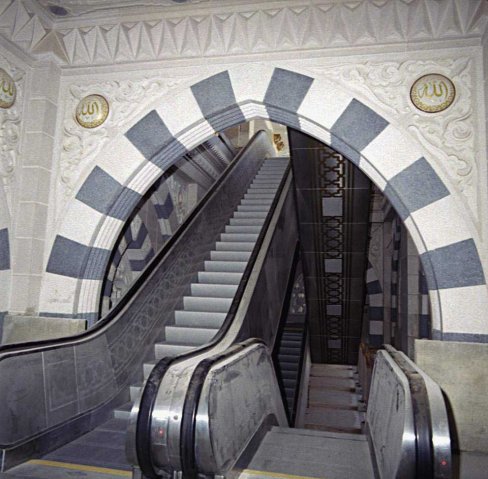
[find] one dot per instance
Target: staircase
(334, 399)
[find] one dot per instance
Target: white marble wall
(375, 54)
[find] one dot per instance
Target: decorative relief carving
(237, 28)
(10, 125)
(127, 98)
(448, 136)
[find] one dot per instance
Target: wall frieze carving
(449, 135)
(127, 99)
(10, 130)
(240, 29)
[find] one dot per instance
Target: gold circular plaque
(8, 90)
(432, 93)
(92, 111)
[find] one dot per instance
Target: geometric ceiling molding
(237, 29)
(321, 110)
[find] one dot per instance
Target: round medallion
(432, 93)
(8, 90)
(92, 111)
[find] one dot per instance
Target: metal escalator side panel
(242, 387)
(390, 421)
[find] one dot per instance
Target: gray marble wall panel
(22, 398)
(4, 249)
(61, 384)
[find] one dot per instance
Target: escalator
(67, 401)
(184, 365)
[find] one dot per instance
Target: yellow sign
(8, 91)
(432, 93)
(92, 111)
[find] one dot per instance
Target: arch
(127, 167)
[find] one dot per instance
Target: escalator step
(239, 237)
(199, 319)
(235, 245)
(135, 391)
(219, 278)
(213, 290)
(259, 202)
(287, 350)
(225, 266)
(201, 303)
(247, 221)
(289, 383)
(288, 374)
(257, 196)
(250, 214)
(243, 229)
(230, 255)
(165, 349)
(252, 208)
(189, 335)
(123, 412)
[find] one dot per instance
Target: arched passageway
(131, 163)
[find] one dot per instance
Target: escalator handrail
(46, 344)
(143, 427)
(192, 400)
(424, 458)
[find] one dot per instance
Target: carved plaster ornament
(449, 137)
(432, 93)
(92, 111)
(8, 90)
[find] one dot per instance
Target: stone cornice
(239, 29)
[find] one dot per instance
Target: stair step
(250, 214)
(162, 350)
(225, 266)
(247, 221)
(199, 319)
(204, 304)
(213, 290)
(243, 229)
(239, 237)
(189, 335)
(230, 255)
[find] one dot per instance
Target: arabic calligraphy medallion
(432, 93)
(92, 111)
(8, 91)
